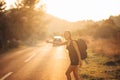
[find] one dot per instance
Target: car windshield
(57, 37)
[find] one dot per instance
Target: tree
(22, 23)
(30, 3)
(106, 30)
(2, 6)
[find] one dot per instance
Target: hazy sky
(74, 10)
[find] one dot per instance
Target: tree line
(22, 23)
(102, 36)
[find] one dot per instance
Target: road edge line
(7, 75)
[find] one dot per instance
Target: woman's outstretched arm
(62, 43)
(59, 44)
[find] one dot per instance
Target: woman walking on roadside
(74, 55)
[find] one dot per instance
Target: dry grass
(100, 67)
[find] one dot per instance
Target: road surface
(43, 62)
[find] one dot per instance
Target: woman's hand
(49, 41)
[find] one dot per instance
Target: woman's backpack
(82, 48)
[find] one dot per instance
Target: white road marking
(27, 60)
(7, 75)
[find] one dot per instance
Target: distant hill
(87, 27)
(57, 25)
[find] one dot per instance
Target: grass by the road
(100, 67)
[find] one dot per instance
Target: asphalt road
(43, 62)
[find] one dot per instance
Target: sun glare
(10, 3)
(73, 10)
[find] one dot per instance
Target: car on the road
(57, 40)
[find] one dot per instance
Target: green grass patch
(98, 68)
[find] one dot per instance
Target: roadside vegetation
(100, 67)
(22, 24)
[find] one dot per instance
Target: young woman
(74, 55)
